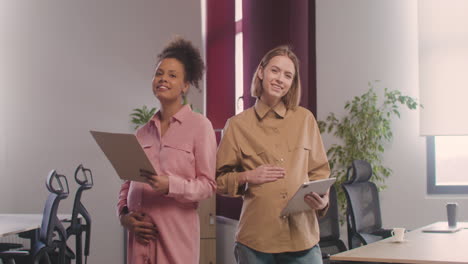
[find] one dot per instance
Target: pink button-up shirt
(187, 154)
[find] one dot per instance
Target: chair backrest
(330, 242)
(84, 178)
(329, 223)
(57, 185)
(362, 198)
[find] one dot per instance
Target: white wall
(67, 67)
(364, 40)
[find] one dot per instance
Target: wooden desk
(11, 224)
(419, 247)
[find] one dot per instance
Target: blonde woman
(266, 153)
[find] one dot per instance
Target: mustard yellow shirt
(277, 136)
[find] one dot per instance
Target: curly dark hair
(184, 51)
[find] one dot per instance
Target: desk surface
(11, 224)
(418, 247)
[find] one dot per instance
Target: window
(239, 59)
(443, 59)
(447, 160)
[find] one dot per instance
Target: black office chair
(84, 178)
(364, 222)
(50, 246)
(330, 242)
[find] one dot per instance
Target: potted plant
(141, 116)
(363, 132)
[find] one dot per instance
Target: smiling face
(169, 81)
(276, 77)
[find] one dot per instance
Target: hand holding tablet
(125, 154)
(297, 204)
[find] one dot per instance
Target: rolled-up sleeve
(318, 166)
(227, 160)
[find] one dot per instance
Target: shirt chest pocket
(300, 153)
(300, 147)
(253, 156)
(299, 144)
(177, 155)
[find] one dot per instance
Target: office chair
(84, 178)
(364, 222)
(48, 248)
(330, 242)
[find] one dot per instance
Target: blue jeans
(246, 255)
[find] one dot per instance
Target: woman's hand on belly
(141, 225)
(264, 174)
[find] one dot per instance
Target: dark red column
(220, 36)
(270, 23)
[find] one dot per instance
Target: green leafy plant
(185, 101)
(141, 116)
(363, 132)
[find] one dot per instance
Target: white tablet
(297, 204)
(442, 229)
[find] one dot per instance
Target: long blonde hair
(292, 98)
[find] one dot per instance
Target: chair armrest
(8, 246)
(12, 254)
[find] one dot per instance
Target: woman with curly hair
(161, 214)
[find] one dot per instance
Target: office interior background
(68, 67)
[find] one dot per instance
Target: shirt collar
(183, 113)
(180, 116)
(262, 109)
